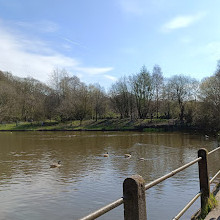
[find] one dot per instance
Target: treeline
(139, 96)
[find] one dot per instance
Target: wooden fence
(134, 188)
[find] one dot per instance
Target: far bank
(146, 125)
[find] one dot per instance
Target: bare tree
(98, 100)
(81, 103)
(120, 97)
(166, 100)
(157, 77)
(57, 80)
(182, 91)
(8, 102)
(142, 89)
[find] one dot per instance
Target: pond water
(86, 181)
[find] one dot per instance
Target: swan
(54, 165)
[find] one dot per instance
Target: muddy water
(86, 181)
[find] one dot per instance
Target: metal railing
(134, 191)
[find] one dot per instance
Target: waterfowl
(54, 165)
(141, 158)
(106, 155)
(127, 155)
(206, 136)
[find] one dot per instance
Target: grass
(153, 129)
(211, 204)
(147, 125)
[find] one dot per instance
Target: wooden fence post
(203, 177)
(134, 198)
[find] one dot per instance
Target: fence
(134, 188)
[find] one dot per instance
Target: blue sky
(102, 40)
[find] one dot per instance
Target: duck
(141, 158)
(106, 155)
(54, 165)
(127, 155)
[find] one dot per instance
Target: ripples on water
(86, 181)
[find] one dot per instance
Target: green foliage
(211, 204)
(144, 95)
(101, 124)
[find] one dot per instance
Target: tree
(142, 89)
(98, 100)
(120, 97)
(51, 104)
(157, 78)
(31, 95)
(217, 71)
(65, 95)
(166, 100)
(81, 103)
(208, 113)
(182, 91)
(8, 102)
(57, 80)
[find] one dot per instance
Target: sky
(101, 41)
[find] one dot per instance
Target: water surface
(86, 181)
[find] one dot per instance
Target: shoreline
(141, 129)
(139, 125)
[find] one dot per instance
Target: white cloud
(182, 21)
(24, 57)
(71, 41)
(93, 70)
(22, 60)
(111, 77)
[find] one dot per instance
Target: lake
(86, 181)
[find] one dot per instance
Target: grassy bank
(100, 125)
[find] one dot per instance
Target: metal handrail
(213, 178)
(103, 210)
(213, 150)
(187, 206)
(120, 201)
(198, 194)
(155, 182)
(194, 199)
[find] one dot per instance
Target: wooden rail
(134, 188)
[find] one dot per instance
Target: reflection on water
(86, 181)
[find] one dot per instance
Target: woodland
(143, 95)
